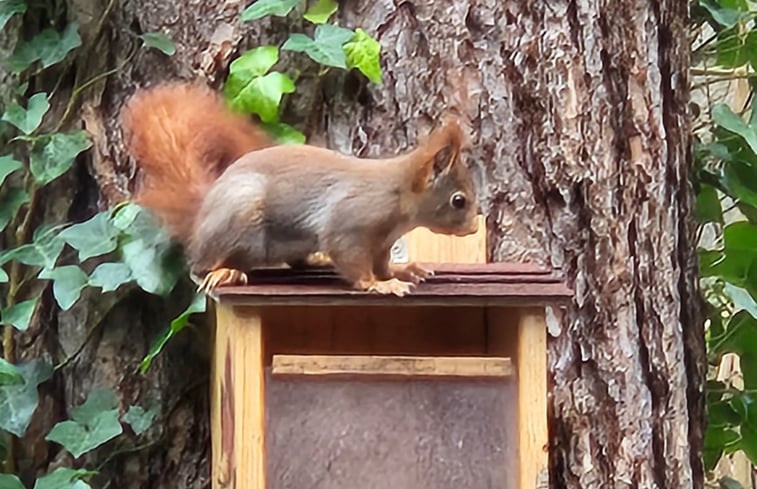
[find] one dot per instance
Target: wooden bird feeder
(318, 386)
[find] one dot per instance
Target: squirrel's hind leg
(221, 277)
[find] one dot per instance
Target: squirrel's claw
(391, 286)
(222, 276)
(412, 272)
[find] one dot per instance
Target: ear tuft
(438, 152)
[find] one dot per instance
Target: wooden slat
(423, 245)
(425, 294)
(237, 412)
(391, 366)
(533, 431)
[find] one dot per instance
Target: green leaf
(3, 277)
(255, 62)
(731, 52)
(198, 305)
(10, 203)
(92, 424)
(741, 300)
(727, 119)
(9, 8)
(139, 419)
(325, 48)
(159, 41)
(155, 268)
(49, 46)
(8, 165)
(284, 133)
(64, 478)
(28, 120)
(110, 276)
(19, 314)
(57, 156)
(728, 483)
(19, 401)
(715, 440)
(708, 207)
(740, 182)
(43, 251)
(320, 11)
(364, 53)
(259, 95)
(94, 237)
(70, 280)
(9, 374)
(748, 443)
(724, 16)
(10, 481)
(261, 8)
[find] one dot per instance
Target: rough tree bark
(581, 141)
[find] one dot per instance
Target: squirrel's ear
(435, 164)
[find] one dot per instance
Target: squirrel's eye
(457, 200)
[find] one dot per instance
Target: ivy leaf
(68, 283)
(139, 419)
(363, 53)
(92, 424)
(10, 203)
(43, 251)
(155, 268)
(19, 315)
(727, 119)
(739, 181)
(8, 165)
(159, 41)
(9, 8)
(28, 120)
(255, 62)
(284, 133)
(19, 401)
(724, 16)
(708, 207)
(94, 237)
(198, 305)
(49, 47)
(261, 8)
(325, 48)
(110, 276)
(64, 478)
(320, 12)
(10, 481)
(3, 277)
(9, 374)
(741, 299)
(259, 95)
(57, 156)
(714, 441)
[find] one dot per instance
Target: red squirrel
(235, 200)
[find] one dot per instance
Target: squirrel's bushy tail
(183, 137)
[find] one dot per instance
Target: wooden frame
(512, 296)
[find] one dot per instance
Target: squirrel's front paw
(412, 272)
(222, 276)
(391, 286)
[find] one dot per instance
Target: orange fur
(183, 137)
(449, 135)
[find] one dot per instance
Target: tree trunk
(580, 137)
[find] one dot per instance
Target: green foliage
(10, 481)
(92, 424)
(9, 8)
(139, 419)
(18, 401)
(198, 305)
(8, 165)
(159, 41)
(49, 47)
(19, 315)
(250, 88)
(320, 11)
(55, 157)
(64, 478)
(91, 238)
(263, 8)
(363, 53)
(325, 48)
(69, 281)
(110, 276)
(28, 120)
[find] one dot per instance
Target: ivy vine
(121, 245)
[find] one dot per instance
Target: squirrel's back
(183, 137)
